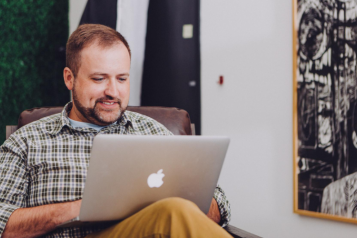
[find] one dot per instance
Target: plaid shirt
(46, 162)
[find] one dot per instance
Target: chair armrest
(239, 233)
(9, 130)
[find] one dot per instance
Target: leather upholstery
(176, 120)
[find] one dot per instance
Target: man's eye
(122, 79)
(98, 79)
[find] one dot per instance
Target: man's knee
(175, 205)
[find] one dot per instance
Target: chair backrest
(174, 119)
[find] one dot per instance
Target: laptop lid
(127, 173)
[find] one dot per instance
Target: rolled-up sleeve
(13, 179)
(223, 205)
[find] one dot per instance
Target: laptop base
(75, 222)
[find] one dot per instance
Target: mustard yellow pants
(170, 217)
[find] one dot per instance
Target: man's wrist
(69, 210)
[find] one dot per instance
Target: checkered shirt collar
(64, 121)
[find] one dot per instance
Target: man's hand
(36, 221)
(213, 212)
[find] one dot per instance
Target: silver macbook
(127, 173)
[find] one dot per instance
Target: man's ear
(68, 78)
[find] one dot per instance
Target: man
(43, 165)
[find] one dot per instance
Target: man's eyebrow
(104, 74)
(97, 73)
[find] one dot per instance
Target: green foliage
(31, 64)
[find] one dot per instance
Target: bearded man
(43, 165)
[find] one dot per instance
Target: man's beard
(93, 115)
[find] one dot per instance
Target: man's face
(101, 88)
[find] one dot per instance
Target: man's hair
(86, 35)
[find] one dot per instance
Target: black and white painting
(326, 107)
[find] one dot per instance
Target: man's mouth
(108, 103)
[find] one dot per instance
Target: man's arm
(36, 221)
(15, 219)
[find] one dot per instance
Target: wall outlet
(187, 31)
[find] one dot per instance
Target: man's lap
(170, 217)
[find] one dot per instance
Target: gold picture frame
(325, 109)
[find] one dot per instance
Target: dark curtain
(100, 12)
(171, 74)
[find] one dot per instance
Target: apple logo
(155, 179)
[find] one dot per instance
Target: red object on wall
(221, 80)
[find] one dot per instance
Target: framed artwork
(325, 108)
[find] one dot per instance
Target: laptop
(127, 173)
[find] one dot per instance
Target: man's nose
(112, 89)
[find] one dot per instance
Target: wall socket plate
(187, 31)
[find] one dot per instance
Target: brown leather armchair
(176, 120)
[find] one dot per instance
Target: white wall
(250, 44)
(76, 8)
